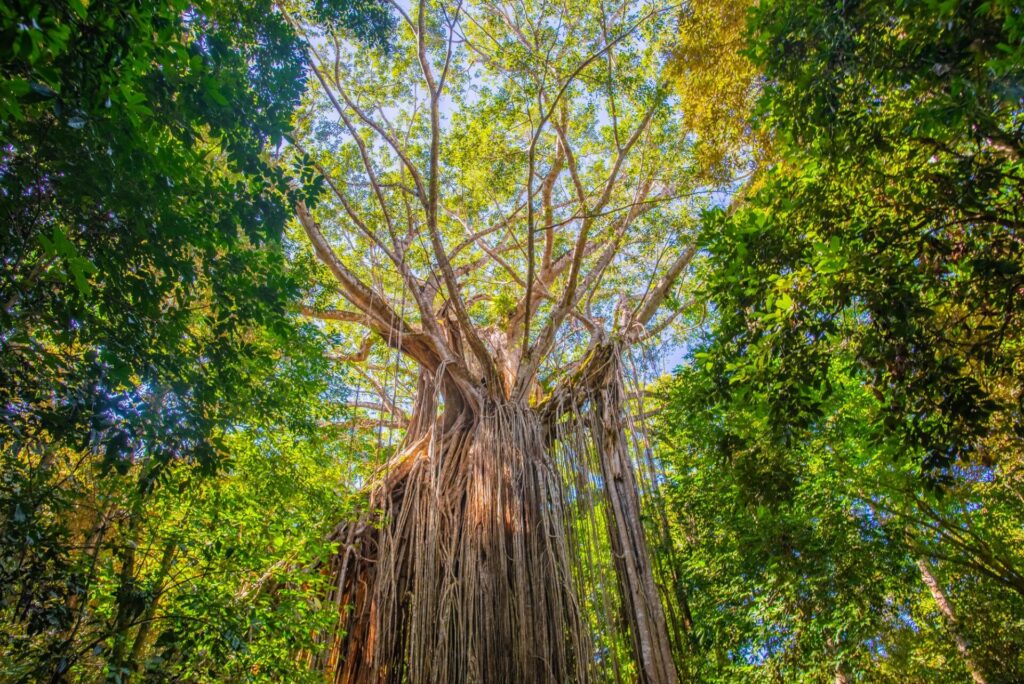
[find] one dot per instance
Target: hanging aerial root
(465, 575)
(484, 536)
(587, 425)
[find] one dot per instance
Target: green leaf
(80, 8)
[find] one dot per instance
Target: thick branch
(649, 307)
(333, 315)
(380, 317)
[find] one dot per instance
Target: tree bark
(146, 621)
(647, 623)
(465, 576)
(946, 608)
(462, 568)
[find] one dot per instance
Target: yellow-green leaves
(717, 85)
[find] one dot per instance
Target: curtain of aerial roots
(501, 549)
(593, 444)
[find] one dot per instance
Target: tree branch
(333, 315)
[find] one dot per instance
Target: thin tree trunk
(126, 596)
(146, 622)
(840, 672)
(946, 608)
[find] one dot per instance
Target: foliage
(145, 332)
(717, 87)
(800, 561)
(852, 411)
(890, 225)
(224, 572)
(142, 223)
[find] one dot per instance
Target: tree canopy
(552, 340)
(853, 402)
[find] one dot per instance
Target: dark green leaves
(854, 405)
(370, 20)
(144, 302)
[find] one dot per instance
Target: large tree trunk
(462, 569)
(466, 577)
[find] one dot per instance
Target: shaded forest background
(836, 487)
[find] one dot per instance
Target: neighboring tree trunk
(840, 672)
(127, 597)
(946, 608)
(146, 621)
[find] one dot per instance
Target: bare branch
(571, 295)
(526, 352)
(364, 353)
(650, 305)
(432, 201)
(333, 315)
(381, 391)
